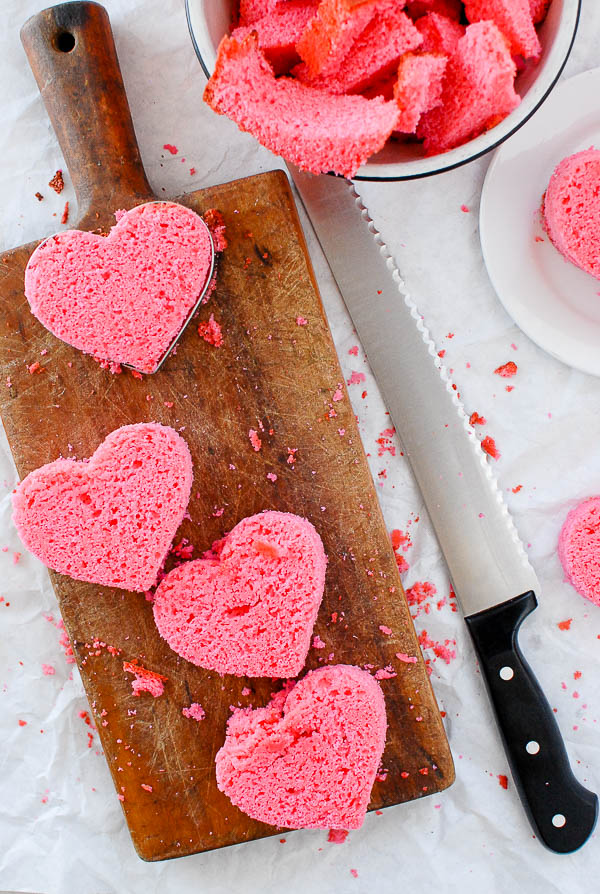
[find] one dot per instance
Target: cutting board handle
(72, 54)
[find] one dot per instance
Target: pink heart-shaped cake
(110, 519)
(250, 610)
(579, 548)
(122, 297)
(571, 210)
(309, 758)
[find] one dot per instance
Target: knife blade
(490, 572)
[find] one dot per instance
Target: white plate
(555, 303)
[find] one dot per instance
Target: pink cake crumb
(147, 788)
(194, 712)
(579, 550)
(387, 631)
(337, 836)
(170, 148)
(488, 445)
(271, 476)
(250, 607)
(356, 378)
(318, 643)
(97, 520)
(385, 673)
(507, 370)
(407, 659)
(48, 670)
(309, 758)
(476, 419)
(211, 332)
(301, 321)
(145, 680)
(254, 439)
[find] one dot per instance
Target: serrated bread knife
(490, 572)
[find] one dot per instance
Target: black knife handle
(562, 812)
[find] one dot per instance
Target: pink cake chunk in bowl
(571, 209)
(279, 31)
(478, 90)
(314, 129)
(579, 548)
(418, 88)
(109, 520)
(539, 9)
(251, 609)
(513, 18)
(375, 53)
(309, 758)
(329, 37)
(440, 34)
(123, 297)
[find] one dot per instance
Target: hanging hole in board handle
(64, 41)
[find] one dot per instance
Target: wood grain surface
(271, 375)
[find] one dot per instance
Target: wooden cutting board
(272, 375)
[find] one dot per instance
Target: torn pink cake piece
(478, 90)
(513, 18)
(108, 520)
(571, 210)
(251, 609)
(418, 88)
(440, 34)
(330, 36)
(579, 548)
(315, 130)
(309, 758)
(122, 297)
(279, 31)
(539, 10)
(375, 53)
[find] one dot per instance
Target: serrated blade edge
(485, 556)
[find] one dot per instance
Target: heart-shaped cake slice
(123, 297)
(579, 548)
(250, 610)
(109, 520)
(309, 758)
(571, 210)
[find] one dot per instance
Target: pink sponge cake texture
(579, 548)
(477, 92)
(571, 210)
(313, 128)
(122, 297)
(309, 758)
(109, 520)
(250, 610)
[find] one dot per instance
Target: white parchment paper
(61, 826)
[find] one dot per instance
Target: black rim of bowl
(443, 168)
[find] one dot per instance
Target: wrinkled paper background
(61, 826)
